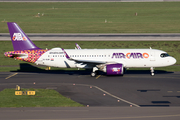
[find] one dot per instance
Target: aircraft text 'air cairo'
(130, 55)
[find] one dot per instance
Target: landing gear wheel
(152, 74)
(152, 71)
(93, 74)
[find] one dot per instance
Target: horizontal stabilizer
(12, 55)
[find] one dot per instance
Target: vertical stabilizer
(19, 39)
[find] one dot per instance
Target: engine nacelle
(114, 69)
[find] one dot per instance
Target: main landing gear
(152, 71)
(48, 68)
(94, 72)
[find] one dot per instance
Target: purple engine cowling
(114, 69)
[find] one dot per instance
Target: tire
(152, 74)
(93, 74)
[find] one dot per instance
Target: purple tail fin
(19, 39)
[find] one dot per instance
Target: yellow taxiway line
(11, 75)
(98, 76)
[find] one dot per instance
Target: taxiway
(133, 88)
(136, 95)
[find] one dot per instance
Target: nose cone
(173, 61)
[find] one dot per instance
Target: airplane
(110, 61)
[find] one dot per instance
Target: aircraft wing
(89, 61)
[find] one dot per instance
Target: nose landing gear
(152, 71)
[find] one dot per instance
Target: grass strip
(169, 69)
(43, 98)
(95, 17)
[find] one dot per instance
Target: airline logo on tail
(18, 37)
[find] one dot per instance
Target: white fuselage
(128, 57)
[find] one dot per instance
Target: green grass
(172, 47)
(43, 98)
(153, 17)
(8, 69)
(169, 68)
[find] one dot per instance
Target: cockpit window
(164, 55)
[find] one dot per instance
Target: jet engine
(114, 69)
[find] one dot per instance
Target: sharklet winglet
(66, 55)
(78, 47)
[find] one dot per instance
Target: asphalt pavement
(98, 37)
(136, 95)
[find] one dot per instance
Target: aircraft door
(152, 56)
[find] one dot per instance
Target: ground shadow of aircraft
(147, 72)
(25, 67)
